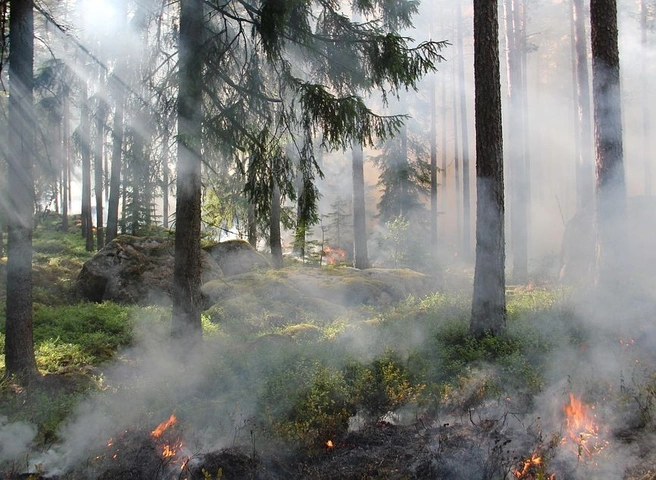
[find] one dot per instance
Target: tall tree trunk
(66, 162)
(519, 200)
(19, 344)
(252, 225)
(275, 240)
(489, 298)
(456, 160)
(360, 254)
(186, 328)
(117, 83)
(98, 158)
(646, 120)
(404, 170)
(443, 169)
(165, 178)
(85, 136)
(115, 174)
(609, 165)
(466, 201)
(301, 221)
(433, 169)
(584, 168)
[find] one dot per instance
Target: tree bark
(609, 163)
(117, 85)
(360, 255)
(489, 299)
(165, 177)
(466, 201)
(66, 162)
(646, 119)
(584, 168)
(252, 225)
(85, 150)
(186, 328)
(275, 241)
(98, 147)
(433, 169)
(456, 160)
(19, 344)
(515, 148)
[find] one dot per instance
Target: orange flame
(534, 461)
(161, 428)
(330, 445)
(171, 450)
(581, 427)
(333, 255)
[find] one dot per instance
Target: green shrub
(53, 356)
(98, 328)
(382, 386)
(307, 403)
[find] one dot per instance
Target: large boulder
(578, 248)
(237, 256)
(135, 270)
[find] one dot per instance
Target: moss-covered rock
(135, 270)
(237, 256)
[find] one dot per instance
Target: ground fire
(333, 256)
(581, 428)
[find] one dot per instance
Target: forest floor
(283, 389)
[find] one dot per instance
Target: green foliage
(381, 387)
(54, 356)
(94, 330)
(309, 403)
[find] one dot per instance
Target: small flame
(581, 427)
(330, 445)
(161, 428)
(169, 451)
(333, 255)
(527, 464)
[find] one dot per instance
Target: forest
(338, 239)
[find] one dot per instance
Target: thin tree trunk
(646, 120)
(360, 255)
(466, 201)
(118, 130)
(19, 345)
(115, 174)
(611, 187)
(275, 241)
(585, 170)
(165, 178)
(489, 299)
(404, 204)
(66, 161)
(443, 169)
(456, 160)
(433, 169)
(186, 327)
(99, 144)
(252, 225)
(518, 211)
(85, 136)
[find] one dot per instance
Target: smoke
(15, 439)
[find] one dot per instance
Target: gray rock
(237, 256)
(135, 270)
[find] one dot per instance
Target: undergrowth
(301, 371)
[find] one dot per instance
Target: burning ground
(288, 387)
